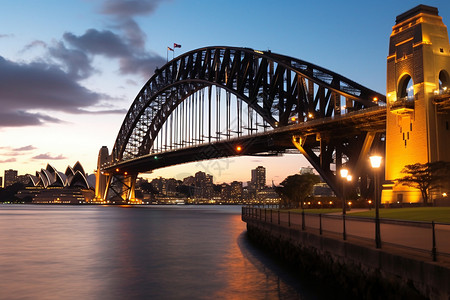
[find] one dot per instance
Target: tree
(297, 188)
(425, 177)
(8, 194)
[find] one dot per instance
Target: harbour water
(139, 252)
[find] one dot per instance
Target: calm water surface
(150, 252)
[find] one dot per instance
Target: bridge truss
(214, 98)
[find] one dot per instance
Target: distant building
(24, 179)
(165, 187)
(51, 186)
(204, 187)
(322, 189)
(10, 177)
(225, 192)
(259, 178)
(306, 170)
(236, 191)
(1, 181)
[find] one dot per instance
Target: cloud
(40, 86)
(22, 118)
(104, 42)
(128, 49)
(77, 63)
(129, 8)
(48, 156)
(34, 44)
(30, 92)
(9, 160)
(25, 148)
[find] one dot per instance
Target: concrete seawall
(363, 272)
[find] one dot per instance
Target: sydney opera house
(49, 185)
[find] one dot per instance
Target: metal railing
(430, 238)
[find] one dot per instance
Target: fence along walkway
(411, 237)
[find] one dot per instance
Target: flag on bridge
(175, 45)
(170, 49)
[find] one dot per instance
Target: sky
(69, 70)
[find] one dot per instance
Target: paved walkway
(409, 239)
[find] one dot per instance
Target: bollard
(433, 250)
(320, 224)
(303, 220)
(344, 233)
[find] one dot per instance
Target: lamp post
(345, 177)
(375, 162)
(344, 174)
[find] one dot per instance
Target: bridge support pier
(354, 155)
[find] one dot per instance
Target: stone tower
(100, 183)
(418, 119)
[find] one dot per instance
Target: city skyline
(69, 71)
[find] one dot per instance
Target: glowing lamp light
(238, 148)
(117, 170)
(344, 173)
(310, 115)
(375, 99)
(349, 177)
(375, 161)
(444, 194)
(293, 119)
(126, 173)
(370, 201)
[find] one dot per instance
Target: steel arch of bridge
(273, 85)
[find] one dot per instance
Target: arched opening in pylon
(406, 88)
(444, 81)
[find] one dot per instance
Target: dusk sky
(69, 70)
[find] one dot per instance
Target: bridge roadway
(270, 142)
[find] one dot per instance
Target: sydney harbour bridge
(217, 102)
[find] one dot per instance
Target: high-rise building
(259, 178)
(236, 190)
(10, 177)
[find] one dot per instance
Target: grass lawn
(437, 214)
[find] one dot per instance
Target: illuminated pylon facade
(418, 118)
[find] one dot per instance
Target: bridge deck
(276, 140)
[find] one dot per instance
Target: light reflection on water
(152, 252)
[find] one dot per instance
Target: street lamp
(345, 176)
(375, 162)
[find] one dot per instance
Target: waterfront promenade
(409, 237)
(414, 256)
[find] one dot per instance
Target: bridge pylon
(418, 118)
(100, 176)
